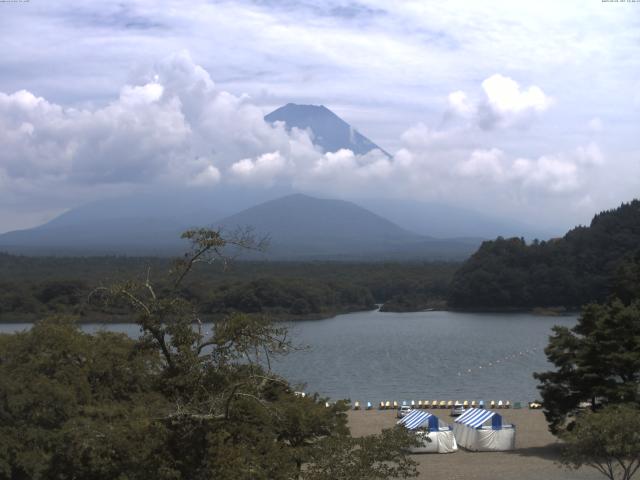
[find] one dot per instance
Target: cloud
(503, 104)
(262, 170)
(590, 155)
(210, 175)
(173, 125)
(486, 164)
(460, 104)
(595, 125)
(130, 139)
(554, 173)
(550, 173)
(505, 96)
(161, 129)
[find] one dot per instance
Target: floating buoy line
(501, 361)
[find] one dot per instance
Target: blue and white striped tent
(475, 418)
(472, 433)
(435, 439)
(414, 419)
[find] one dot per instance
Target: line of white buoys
(496, 362)
(442, 404)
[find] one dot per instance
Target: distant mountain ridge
(299, 226)
(297, 215)
(329, 131)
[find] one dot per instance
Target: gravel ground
(534, 457)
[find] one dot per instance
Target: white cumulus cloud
(554, 173)
(484, 164)
(504, 95)
(210, 175)
(503, 103)
(174, 125)
(263, 169)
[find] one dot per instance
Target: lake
(373, 356)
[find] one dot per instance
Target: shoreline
(212, 318)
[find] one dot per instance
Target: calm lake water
(373, 356)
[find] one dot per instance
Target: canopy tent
(434, 438)
(472, 431)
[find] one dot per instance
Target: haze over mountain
(150, 222)
(299, 227)
(447, 221)
(146, 223)
(329, 131)
(303, 226)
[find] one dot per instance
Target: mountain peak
(303, 106)
(330, 132)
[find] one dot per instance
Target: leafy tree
(365, 458)
(179, 403)
(76, 403)
(608, 441)
(597, 361)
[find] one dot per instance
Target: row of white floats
(394, 405)
(388, 405)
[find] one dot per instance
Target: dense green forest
(31, 287)
(580, 268)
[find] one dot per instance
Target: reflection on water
(371, 356)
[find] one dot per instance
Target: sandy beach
(534, 457)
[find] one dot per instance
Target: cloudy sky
(525, 109)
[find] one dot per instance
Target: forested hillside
(579, 268)
(32, 287)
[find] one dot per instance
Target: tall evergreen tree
(597, 361)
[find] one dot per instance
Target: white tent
(473, 433)
(434, 438)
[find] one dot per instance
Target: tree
(626, 282)
(608, 441)
(597, 361)
(569, 271)
(179, 403)
(73, 402)
(371, 457)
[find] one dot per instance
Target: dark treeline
(34, 286)
(580, 268)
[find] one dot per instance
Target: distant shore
(543, 311)
(114, 319)
(288, 317)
